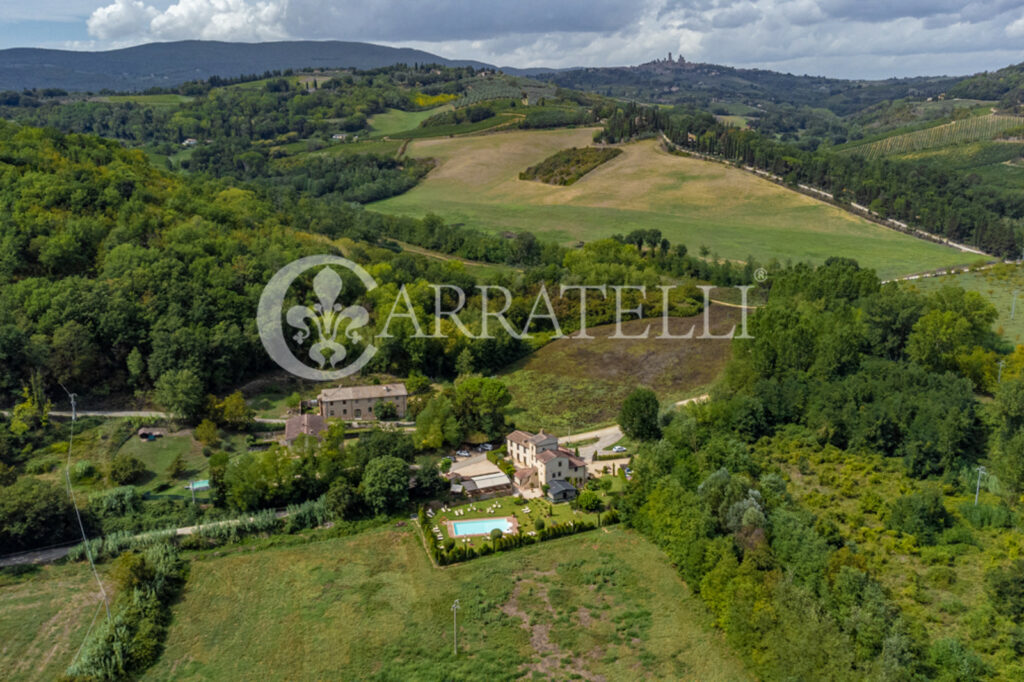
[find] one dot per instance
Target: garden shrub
(125, 468)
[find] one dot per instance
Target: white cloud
(850, 38)
(237, 20)
(1016, 29)
(123, 19)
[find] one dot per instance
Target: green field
(453, 129)
(602, 605)
(44, 614)
(395, 121)
(997, 285)
(168, 100)
(735, 214)
(572, 385)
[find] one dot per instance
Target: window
(359, 413)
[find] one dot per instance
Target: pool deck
(450, 524)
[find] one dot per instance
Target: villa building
(539, 460)
(360, 402)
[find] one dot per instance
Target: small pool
(481, 526)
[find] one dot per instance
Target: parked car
(618, 448)
(462, 453)
(486, 447)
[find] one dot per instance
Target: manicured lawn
(735, 214)
(601, 605)
(157, 456)
(44, 615)
(997, 285)
(572, 385)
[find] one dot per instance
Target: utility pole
(74, 502)
(1013, 306)
(999, 379)
(977, 491)
(455, 628)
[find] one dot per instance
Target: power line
(74, 503)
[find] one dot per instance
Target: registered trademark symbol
(760, 274)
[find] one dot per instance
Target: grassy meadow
(45, 612)
(571, 385)
(734, 213)
(395, 121)
(602, 605)
(997, 285)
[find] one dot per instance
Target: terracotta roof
(522, 474)
(548, 455)
(304, 424)
(541, 437)
(519, 437)
(363, 392)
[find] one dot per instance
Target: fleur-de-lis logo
(332, 322)
(327, 316)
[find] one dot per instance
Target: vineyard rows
(958, 132)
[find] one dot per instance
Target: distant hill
(1005, 84)
(677, 81)
(168, 64)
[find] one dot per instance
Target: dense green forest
(839, 364)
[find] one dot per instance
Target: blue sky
(845, 38)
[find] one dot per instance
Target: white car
(618, 448)
(486, 446)
(462, 453)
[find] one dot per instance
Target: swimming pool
(481, 526)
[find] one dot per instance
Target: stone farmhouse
(359, 402)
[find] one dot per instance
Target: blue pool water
(481, 526)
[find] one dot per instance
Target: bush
(125, 469)
(82, 469)
(589, 501)
(1005, 588)
(987, 515)
(131, 641)
(207, 433)
(920, 514)
(116, 502)
(496, 533)
(386, 411)
(953, 662)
